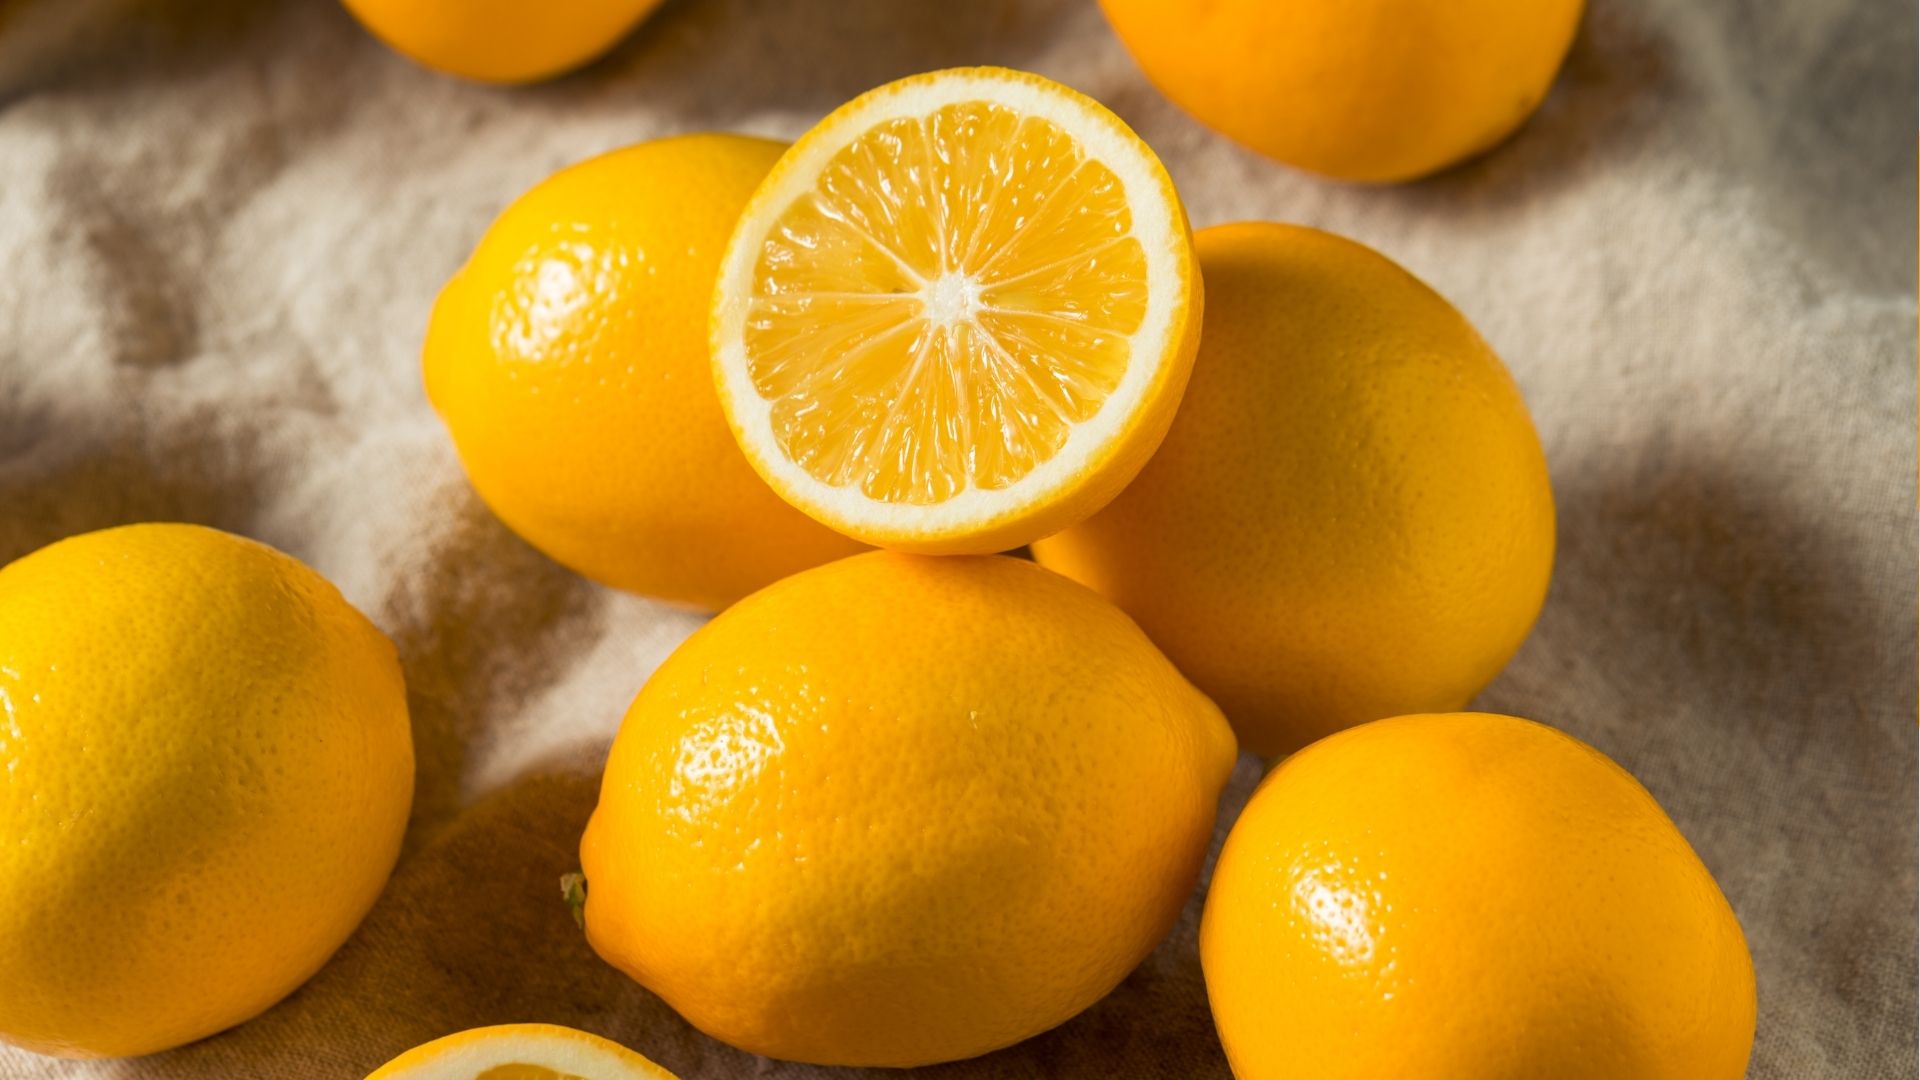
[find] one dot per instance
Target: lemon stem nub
(573, 889)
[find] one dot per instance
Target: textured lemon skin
(501, 41)
(1104, 475)
(1462, 896)
(1350, 518)
(568, 358)
(208, 770)
(899, 810)
(520, 1052)
(1366, 90)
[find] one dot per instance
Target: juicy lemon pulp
(954, 294)
(519, 1071)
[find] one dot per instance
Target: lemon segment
(958, 314)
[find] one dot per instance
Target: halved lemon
(521, 1052)
(959, 314)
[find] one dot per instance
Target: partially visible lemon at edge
(520, 1052)
(501, 41)
(208, 769)
(1367, 90)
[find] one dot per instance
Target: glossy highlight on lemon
(1351, 517)
(568, 359)
(521, 1052)
(207, 770)
(1462, 896)
(898, 810)
(959, 313)
(1367, 90)
(501, 41)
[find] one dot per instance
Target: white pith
(952, 298)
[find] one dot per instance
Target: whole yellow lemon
(1350, 517)
(1462, 896)
(901, 809)
(501, 41)
(207, 770)
(568, 359)
(1372, 90)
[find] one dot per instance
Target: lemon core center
(952, 298)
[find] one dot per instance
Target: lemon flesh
(952, 297)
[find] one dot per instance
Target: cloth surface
(223, 222)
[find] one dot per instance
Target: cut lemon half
(521, 1052)
(959, 314)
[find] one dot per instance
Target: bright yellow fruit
(1465, 896)
(1372, 90)
(569, 361)
(959, 313)
(1350, 518)
(501, 41)
(207, 770)
(899, 810)
(520, 1052)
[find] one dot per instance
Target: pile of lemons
(905, 799)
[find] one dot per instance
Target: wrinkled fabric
(222, 223)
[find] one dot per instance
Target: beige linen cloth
(222, 223)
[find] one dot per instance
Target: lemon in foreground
(1372, 90)
(959, 313)
(501, 41)
(568, 359)
(899, 810)
(1350, 518)
(207, 771)
(1461, 896)
(520, 1052)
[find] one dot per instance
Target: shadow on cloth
(474, 932)
(63, 43)
(99, 485)
(483, 622)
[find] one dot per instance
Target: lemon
(501, 41)
(520, 1052)
(1371, 90)
(959, 313)
(207, 771)
(1350, 518)
(1461, 896)
(899, 810)
(568, 358)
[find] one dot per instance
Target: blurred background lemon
(1371, 90)
(501, 41)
